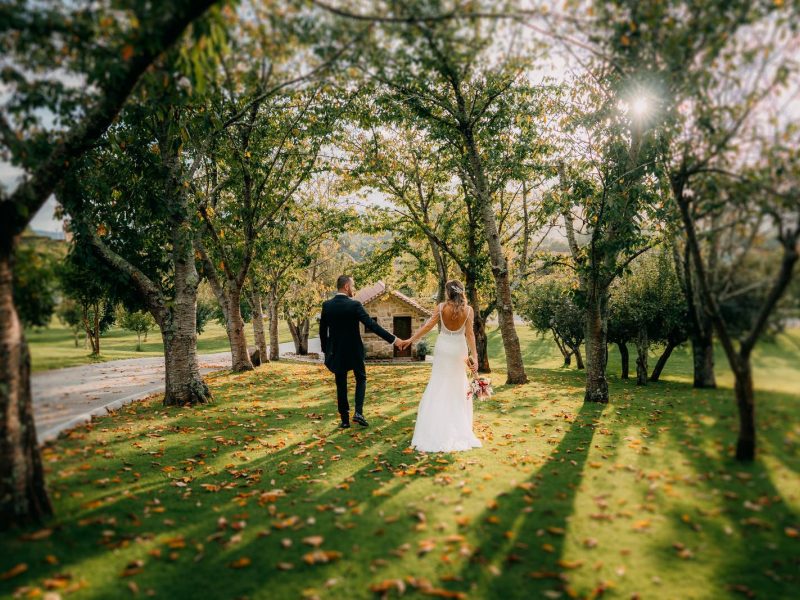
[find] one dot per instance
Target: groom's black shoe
(344, 425)
(359, 418)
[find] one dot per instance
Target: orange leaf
(127, 52)
(14, 571)
(240, 563)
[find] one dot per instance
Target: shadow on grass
(146, 500)
(523, 537)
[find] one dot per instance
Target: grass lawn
(259, 496)
(54, 347)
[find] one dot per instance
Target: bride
(444, 418)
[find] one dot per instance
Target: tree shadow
(131, 518)
(525, 533)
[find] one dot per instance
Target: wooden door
(402, 329)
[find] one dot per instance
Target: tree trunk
(229, 296)
(578, 357)
(182, 382)
(441, 269)
(596, 350)
(662, 360)
(179, 324)
(478, 324)
(295, 331)
(305, 326)
(299, 333)
(642, 345)
(96, 325)
(745, 402)
(624, 359)
(258, 324)
(234, 325)
(703, 360)
(274, 344)
(562, 348)
(505, 308)
(23, 496)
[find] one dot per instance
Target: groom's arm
(373, 326)
(323, 330)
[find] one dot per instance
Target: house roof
(376, 290)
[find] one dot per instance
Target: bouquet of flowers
(480, 388)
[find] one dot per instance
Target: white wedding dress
(444, 418)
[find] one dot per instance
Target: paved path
(64, 398)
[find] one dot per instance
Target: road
(64, 398)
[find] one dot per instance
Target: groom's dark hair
(342, 281)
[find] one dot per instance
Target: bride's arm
(470, 333)
(427, 327)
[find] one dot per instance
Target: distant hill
(53, 235)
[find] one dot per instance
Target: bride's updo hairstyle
(454, 291)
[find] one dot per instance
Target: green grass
(564, 499)
(54, 347)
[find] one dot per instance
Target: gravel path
(64, 398)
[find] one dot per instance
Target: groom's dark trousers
(340, 338)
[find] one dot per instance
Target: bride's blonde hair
(455, 295)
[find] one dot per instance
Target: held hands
(402, 344)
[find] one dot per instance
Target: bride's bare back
(452, 318)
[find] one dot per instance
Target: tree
(549, 307)
(35, 285)
(138, 322)
(647, 306)
(267, 157)
(439, 71)
(70, 314)
(416, 176)
(716, 96)
(140, 225)
(295, 255)
(770, 190)
(112, 59)
(94, 296)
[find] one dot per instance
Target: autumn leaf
(133, 568)
(127, 52)
(14, 571)
(314, 540)
(36, 536)
(240, 563)
(321, 557)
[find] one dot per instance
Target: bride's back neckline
(444, 325)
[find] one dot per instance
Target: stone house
(395, 312)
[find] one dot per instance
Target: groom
(341, 342)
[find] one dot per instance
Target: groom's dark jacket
(340, 336)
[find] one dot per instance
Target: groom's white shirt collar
(341, 294)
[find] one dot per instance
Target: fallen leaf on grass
(14, 571)
(35, 536)
(569, 564)
(133, 568)
(321, 557)
(240, 563)
(385, 586)
(314, 540)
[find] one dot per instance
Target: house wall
(385, 308)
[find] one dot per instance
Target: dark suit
(340, 338)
